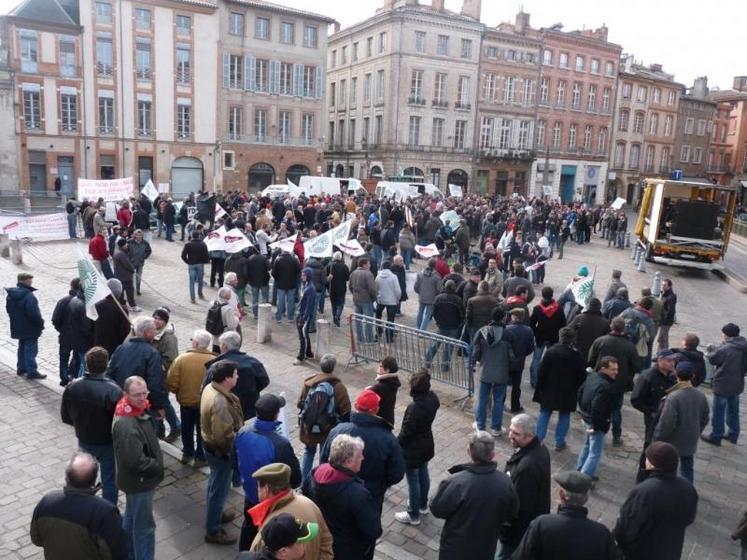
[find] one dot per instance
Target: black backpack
(214, 322)
(318, 413)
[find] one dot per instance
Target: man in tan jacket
(277, 497)
(221, 419)
(184, 379)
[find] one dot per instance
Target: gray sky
(688, 37)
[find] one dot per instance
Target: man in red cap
(384, 464)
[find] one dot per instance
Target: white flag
(92, 284)
(582, 290)
(215, 241)
(219, 212)
(236, 241)
(351, 247)
(427, 251)
(149, 190)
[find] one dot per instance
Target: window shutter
(298, 79)
(250, 64)
(318, 86)
(226, 69)
(274, 76)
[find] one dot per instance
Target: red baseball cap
(367, 401)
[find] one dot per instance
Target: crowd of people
(118, 372)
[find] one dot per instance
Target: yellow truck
(685, 223)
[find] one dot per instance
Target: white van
(317, 186)
(400, 191)
(280, 191)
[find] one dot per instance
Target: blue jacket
(308, 299)
(257, 445)
(384, 463)
(23, 309)
(252, 379)
(524, 345)
(137, 356)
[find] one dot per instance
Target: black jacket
(476, 500)
(70, 320)
(386, 387)
(561, 372)
(88, 405)
(448, 310)
(401, 274)
(112, 326)
(237, 263)
(653, 519)
(338, 284)
(285, 271)
(546, 321)
(252, 379)
(650, 387)
(529, 469)
(588, 327)
(416, 435)
(257, 271)
(565, 535)
(697, 359)
(138, 357)
(74, 523)
(669, 308)
(140, 220)
(195, 252)
(595, 401)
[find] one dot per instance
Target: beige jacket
(220, 418)
(186, 375)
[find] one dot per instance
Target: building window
(367, 88)
(685, 154)
(104, 56)
(587, 138)
(341, 133)
(486, 133)
(344, 55)
(382, 42)
(635, 156)
(284, 127)
(261, 75)
(664, 161)
(106, 114)
(413, 136)
(308, 128)
(236, 24)
(351, 136)
(106, 166)
(656, 95)
(560, 94)
(702, 128)
(341, 97)
(286, 79)
(572, 131)
(619, 154)
(142, 18)
(103, 12)
(671, 98)
(463, 93)
(580, 63)
(68, 66)
(438, 133)
(466, 51)
(29, 52)
(235, 71)
(653, 124)
(547, 57)
(183, 63)
(229, 160)
(595, 66)
(439, 89)
(333, 58)
(332, 93)
(638, 122)
(698, 155)
(369, 47)
(310, 37)
(355, 52)
(442, 46)
(492, 52)
(541, 133)
(380, 84)
(504, 134)
(183, 120)
(508, 89)
(591, 99)
(606, 99)
(563, 60)
(544, 91)
(622, 123)
(668, 121)
(420, 41)
(331, 135)
(143, 60)
(366, 129)
(234, 123)
(32, 109)
(576, 99)
(460, 131)
(557, 131)
(523, 142)
(416, 87)
(183, 25)
(144, 117)
(69, 112)
(309, 83)
(602, 142)
(689, 125)
(260, 125)
(262, 28)
(490, 81)
(378, 129)
(626, 89)
(609, 68)
(642, 94)
(287, 32)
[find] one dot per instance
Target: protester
(427, 286)
(258, 279)
(166, 343)
(112, 326)
(26, 325)
(523, 347)
(338, 275)
(284, 538)
(669, 312)
(689, 353)
(588, 326)
(546, 321)
(616, 305)
(386, 386)
(76, 332)
(363, 289)
(285, 271)
(195, 256)
(139, 251)
(124, 271)
(388, 293)
(448, 311)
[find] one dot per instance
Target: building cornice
(578, 39)
(26, 23)
(277, 8)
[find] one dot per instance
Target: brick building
(727, 158)
(693, 131)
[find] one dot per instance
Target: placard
(114, 190)
(42, 227)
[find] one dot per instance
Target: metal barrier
(371, 340)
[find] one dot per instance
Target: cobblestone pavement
(37, 445)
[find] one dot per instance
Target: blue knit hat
(582, 271)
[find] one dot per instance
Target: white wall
(207, 70)
(164, 111)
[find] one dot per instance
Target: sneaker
(135, 309)
(711, 440)
(404, 517)
(221, 537)
(20, 373)
(561, 447)
(199, 463)
(172, 437)
(298, 362)
(36, 375)
(185, 460)
(497, 433)
(228, 516)
(424, 511)
(617, 442)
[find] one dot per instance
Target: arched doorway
(295, 172)
(414, 174)
(261, 175)
(376, 172)
(340, 170)
(186, 176)
(457, 177)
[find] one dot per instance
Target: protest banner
(352, 248)
(163, 188)
(219, 212)
(215, 241)
(284, 244)
(235, 241)
(114, 190)
(455, 191)
(43, 227)
(619, 203)
(427, 251)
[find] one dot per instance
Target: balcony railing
(440, 103)
(416, 100)
(105, 130)
(462, 106)
(145, 132)
(183, 133)
(276, 140)
(144, 73)
(104, 70)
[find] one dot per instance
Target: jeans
(216, 271)
(338, 304)
(28, 348)
(72, 226)
(378, 255)
(140, 526)
(539, 351)
(104, 454)
(620, 243)
(425, 314)
(106, 268)
(687, 468)
(391, 313)
(407, 257)
(450, 333)
(286, 299)
(418, 484)
(616, 401)
(725, 408)
(307, 462)
(321, 295)
(70, 369)
(498, 392)
(591, 454)
(561, 429)
(169, 232)
(219, 483)
(256, 291)
(138, 277)
(515, 377)
(366, 309)
(304, 341)
(191, 425)
(159, 222)
(196, 274)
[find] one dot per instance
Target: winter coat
(112, 327)
(615, 306)
(88, 405)
(561, 372)
(97, 248)
(641, 317)
(567, 534)
(70, 320)
(257, 271)
(416, 435)
(730, 360)
(697, 359)
(468, 291)
(139, 252)
(595, 401)
(338, 275)
(546, 320)
(612, 290)
(427, 286)
(285, 271)
(362, 286)
(317, 273)
(514, 283)
(588, 327)
(386, 387)
(195, 252)
(75, 523)
(384, 464)
(480, 311)
(167, 345)
(123, 268)
(529, 469)
(494, 349)
(139, 462)
(494, 278)
(683, 417)
(653, 519)
(237, 263)
(136, 356)
(186, 374)
(253, 378)
(399, 271)
(406, 240)
(350, 511)
(650, 387)
(448, 310)
(476, 500)
(669, 308)
(23, 310)
(628, 360)
(220, 419)
(387, 288)
(341, 409)
(523, 346)
(307, 305)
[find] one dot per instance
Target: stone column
(323, 337)
(16, 255)
(264, 323)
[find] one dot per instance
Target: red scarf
(260, 512)
(125, 408)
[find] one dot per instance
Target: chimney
(437, 5)
(336, 27)
(700, 87)
(656, 68)
(388, 5)
(522, 22)
(740, 83)
(472, 8)
(602, 33)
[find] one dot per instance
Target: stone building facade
(9, 176)
(727, 157)
(693, 131)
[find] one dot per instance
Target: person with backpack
(323, 403)
(221, 317)
(640, 329)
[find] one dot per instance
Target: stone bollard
(16, 254)
(627, 239)
(323, 338)
(633, 254)
(642, 261)
(656, 284)
(4, 246)
(264, 323)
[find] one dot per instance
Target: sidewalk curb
(733, 279)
